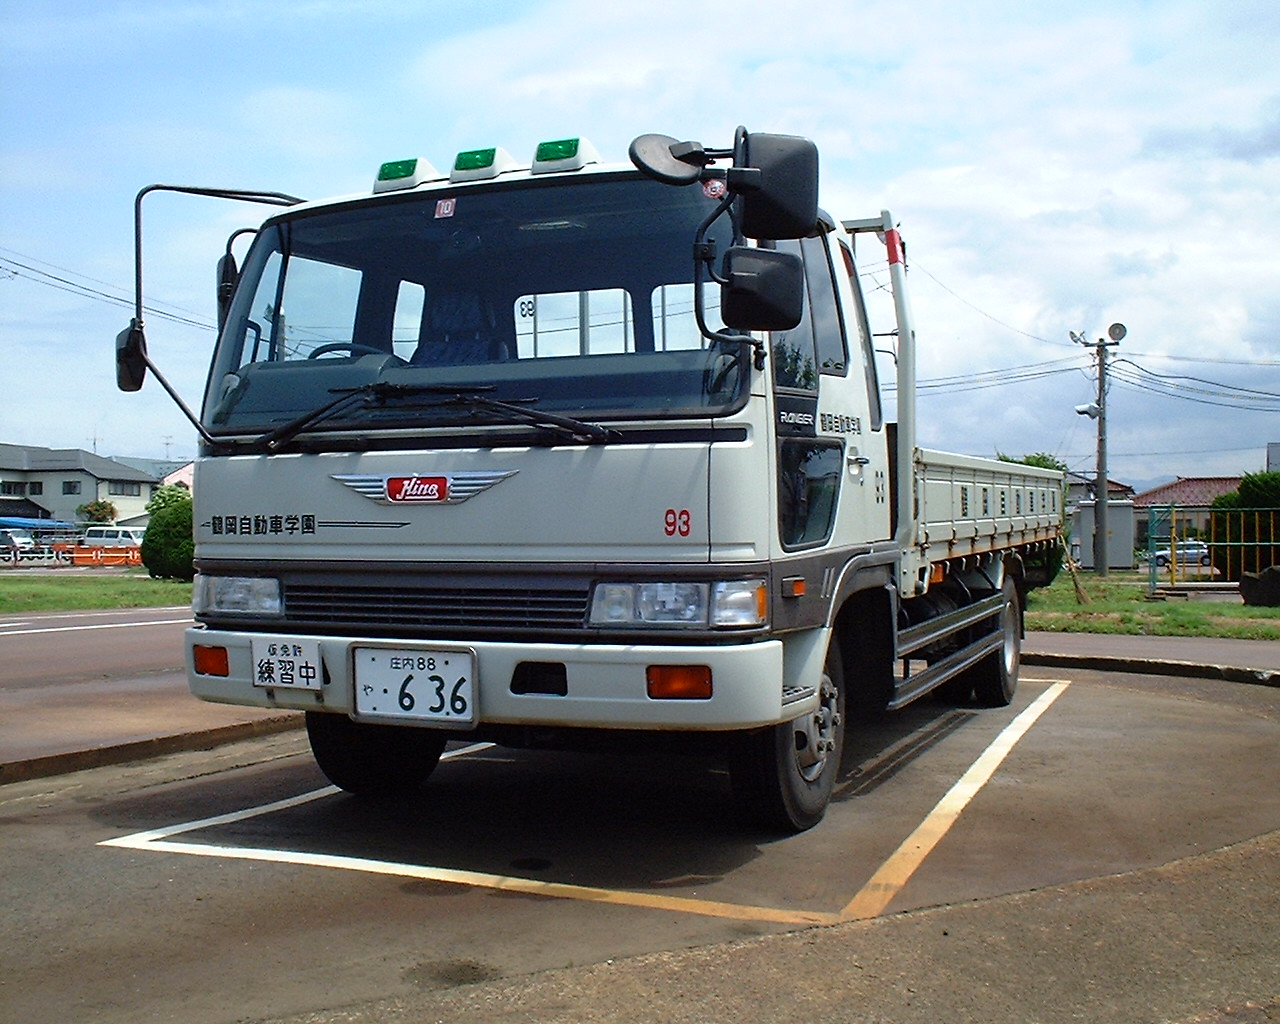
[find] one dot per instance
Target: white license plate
(419, 685)
(286, 663)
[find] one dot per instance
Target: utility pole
(1098, 410)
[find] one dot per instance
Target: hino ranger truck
(559, 452)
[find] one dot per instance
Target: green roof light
(563, 155)
(394, 169)
(474, 159)
(562, 149)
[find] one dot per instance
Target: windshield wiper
(380, 391)
(579, 430)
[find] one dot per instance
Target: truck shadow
(609, 819)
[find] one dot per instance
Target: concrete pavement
(108, 721)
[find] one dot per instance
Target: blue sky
(1055, 167)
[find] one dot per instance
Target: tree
(1045, 566)
(1242, 526)
(98, 511)
(1042, 459)
(169, 494)
(168, 547)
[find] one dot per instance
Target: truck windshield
(567, 297)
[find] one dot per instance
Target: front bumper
(605, 684)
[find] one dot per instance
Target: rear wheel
(372, 760)
(995, 677)
(783, 776)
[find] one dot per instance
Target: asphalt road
(49, 649)
(1104, 850)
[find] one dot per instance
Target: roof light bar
(398, 174)
(475, 164)
(564, 155)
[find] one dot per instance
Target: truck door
(832, 463)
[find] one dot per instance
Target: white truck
(541, 453)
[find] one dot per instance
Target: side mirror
(228, 275)
(763, 290)
(785, 203)
(131, 357)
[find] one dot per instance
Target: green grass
(1116, 605)
(1119, 604)
(21, 593)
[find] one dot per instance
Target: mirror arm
(244, 195)
(136, 336)
(186, 409)
(704, 254)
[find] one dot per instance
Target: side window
(808, 485)
(574, 323)
(828, 326)
(674, 324)
(318, 308)
(864, 340)
(795, 362)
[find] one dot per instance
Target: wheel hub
(815, 733)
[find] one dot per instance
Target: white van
(18, 540)
(113, 536)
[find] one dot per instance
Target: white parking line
(100, 625)
(874, 897)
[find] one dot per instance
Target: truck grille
(416, 607)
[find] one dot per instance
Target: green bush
(1243, 527)
(168, 546)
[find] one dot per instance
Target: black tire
(372, 760)
(1204, 559)
(995, 677)
(782, 780)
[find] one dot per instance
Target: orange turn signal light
(678, 682)
(210, 661)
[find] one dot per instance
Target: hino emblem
(422, 488)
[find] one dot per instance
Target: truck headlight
(739, 604)
(236, 595)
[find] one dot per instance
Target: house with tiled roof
(1189, 497)
(51, 483)
(1188, 490)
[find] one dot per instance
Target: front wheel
(783, 776)
(995, 677)
(372, 760)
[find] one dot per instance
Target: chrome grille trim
(421, 606)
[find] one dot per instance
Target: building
(51, 483)
(1080, 488)
(1080, 507)
(1190, 496)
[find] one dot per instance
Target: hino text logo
(417, 488)
(422, 488)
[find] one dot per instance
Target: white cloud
(1055, 167)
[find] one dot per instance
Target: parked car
(20, 539)
(1189, 552)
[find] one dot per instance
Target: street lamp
(1098, 410)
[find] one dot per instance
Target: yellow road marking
(894, 873)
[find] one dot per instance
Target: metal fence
(1187, 543)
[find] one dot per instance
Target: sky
(1055, 168)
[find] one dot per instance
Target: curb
(99, 757)
(1146, 666)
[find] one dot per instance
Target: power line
(65, 284)
(1132, 375)
(978, 309)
